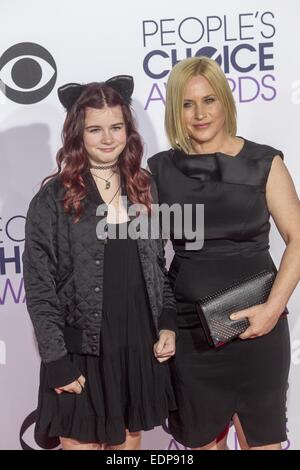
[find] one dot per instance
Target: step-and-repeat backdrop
(46, 44)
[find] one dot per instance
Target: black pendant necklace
(107, 182)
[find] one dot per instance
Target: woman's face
(104, 133)
(203, 113)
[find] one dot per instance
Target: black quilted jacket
(63, 276)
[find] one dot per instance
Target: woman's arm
(284, 207)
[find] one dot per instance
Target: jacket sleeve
(168, 317)
(39, 270)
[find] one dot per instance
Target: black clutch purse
(215, 310)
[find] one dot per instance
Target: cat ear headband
(68, 94)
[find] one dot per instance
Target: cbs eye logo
(27, 73)
(28, 433)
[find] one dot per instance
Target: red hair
(72, 159)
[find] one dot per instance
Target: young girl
(101, 305)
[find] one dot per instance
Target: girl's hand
(75, 387)
(164, 348)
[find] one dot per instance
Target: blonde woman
(241, 183)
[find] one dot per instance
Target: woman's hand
(262, 320)
(75, 387)
(164, 348)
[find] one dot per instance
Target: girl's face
(104, 134)
(203, 113)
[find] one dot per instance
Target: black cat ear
(69, 93)
(123, 84)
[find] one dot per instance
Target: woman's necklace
(107, 186)
(105, 167)
(114, 195)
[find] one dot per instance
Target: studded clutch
(214, 311)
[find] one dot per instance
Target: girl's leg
(132, 442)
(72, 444)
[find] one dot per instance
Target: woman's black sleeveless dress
(126, 387)
(247, 377)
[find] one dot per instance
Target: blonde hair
(179, 76)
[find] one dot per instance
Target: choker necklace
(104, 167)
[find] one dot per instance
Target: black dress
(247, 377)
(126, 387)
